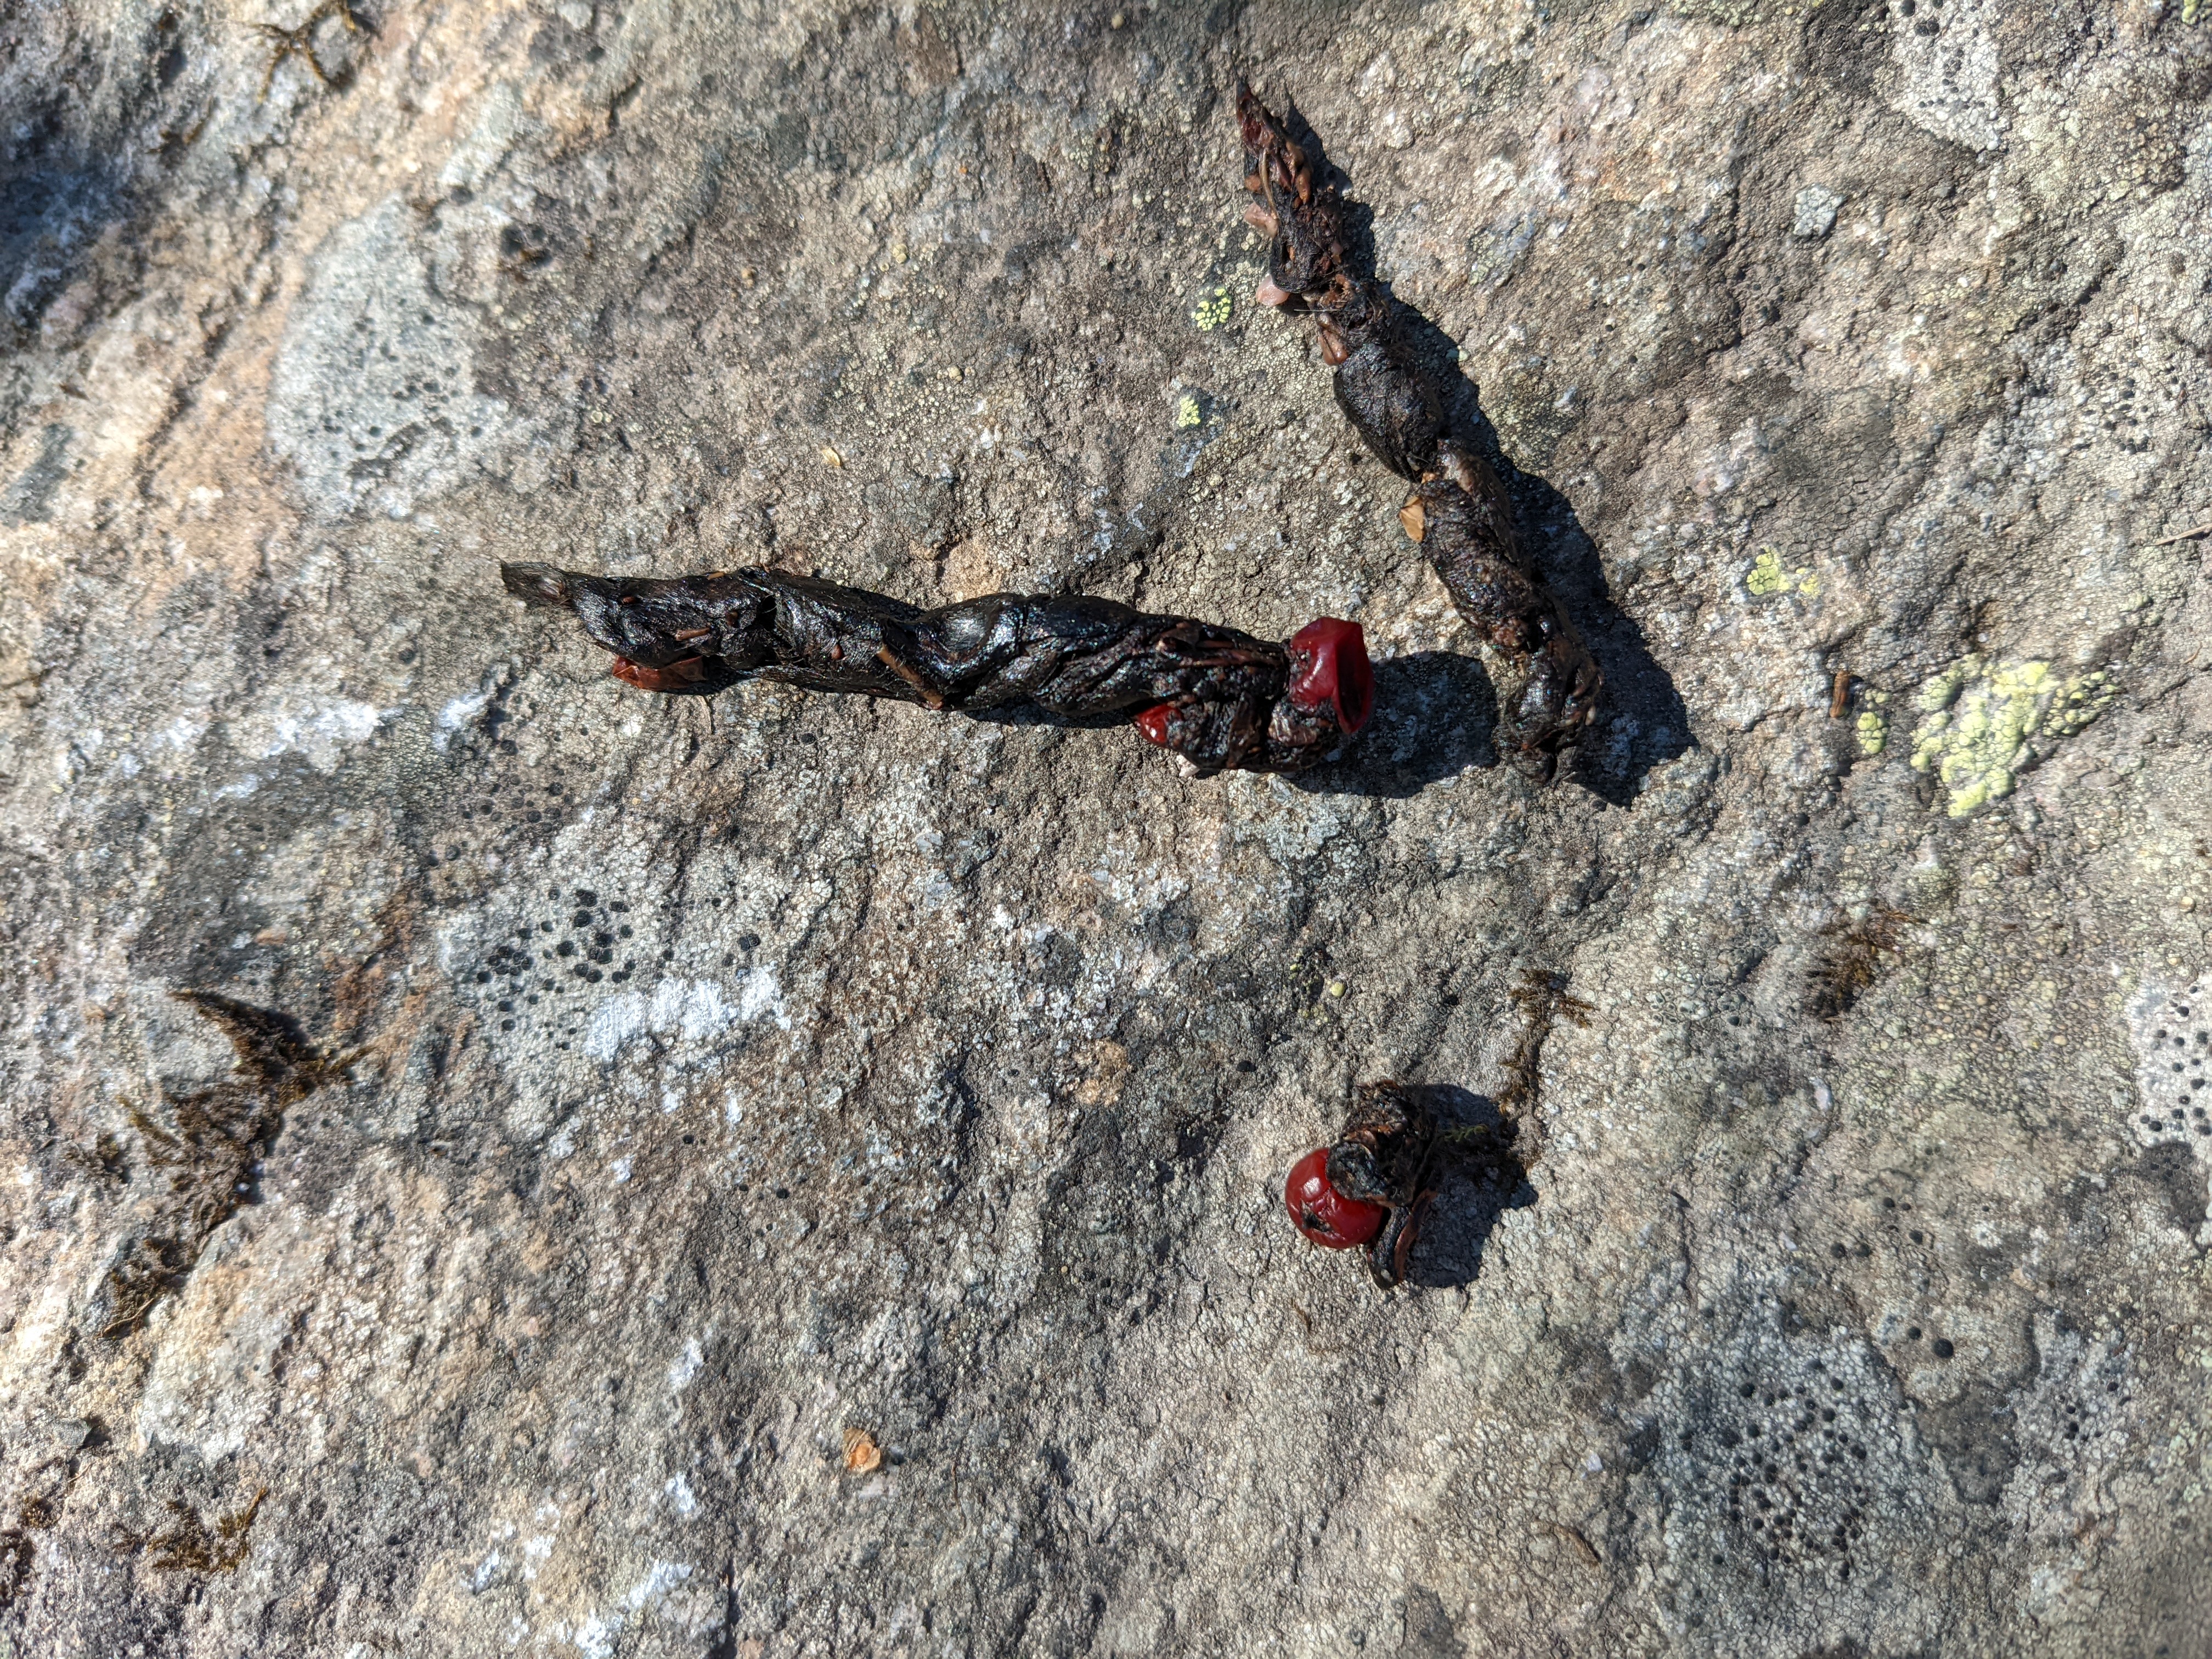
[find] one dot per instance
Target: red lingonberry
(1158, 723)
(1328, 665)
(1323, 1214)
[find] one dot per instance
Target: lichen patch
(1985, 722)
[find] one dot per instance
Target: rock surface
(692, 1083)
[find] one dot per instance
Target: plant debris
(213, 1139)
(862, 1454)
(17, 1550)
(1542, 998)
(190, 1544)
(1852, 960)
(300, 43)
(1584, 1552)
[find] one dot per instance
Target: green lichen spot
(1211, 313)
(1187, 411)
(1874, 733)
(2189, 12)
(1980, 720)
(1767, 576)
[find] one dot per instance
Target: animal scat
(1220, 699)
(1386, 1154)
(1548, 683)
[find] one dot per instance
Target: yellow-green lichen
(1874, 723)
(1979, 719)
(1187, 411)
(1767, 576)
(1211, 313)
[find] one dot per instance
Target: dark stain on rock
(2170, 1170)
(1430, 1632)
(1974, 1433)
(28, 499)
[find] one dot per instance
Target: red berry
(1156, 723)
(1328, 665)
(1323, 1214)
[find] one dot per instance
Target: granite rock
(693, 1082)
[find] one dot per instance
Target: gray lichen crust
(689, 1082)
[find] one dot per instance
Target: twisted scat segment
(1548, 683)
(1220, 699)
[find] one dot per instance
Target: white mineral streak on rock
(1948, 57)
(691, 1011)
(321, 732)
(685, 1366)
(373, 400)
(460, 712)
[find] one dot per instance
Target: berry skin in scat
(1372, 1185)
(1323, 1214)
(1328, 665)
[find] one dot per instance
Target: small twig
(1584, 1552)
(930, 697)
(2204, 529)
(1840, 700)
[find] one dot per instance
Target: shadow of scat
(1434, 713)
(1480, 1178)
(1021, 715)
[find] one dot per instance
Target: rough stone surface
(714, 1079)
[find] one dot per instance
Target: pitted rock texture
(706, 1079)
